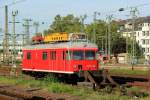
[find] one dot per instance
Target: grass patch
(50, 78)
(51, 84)
(129, 72)
(20, 81)
(60, 88)
(96, 96)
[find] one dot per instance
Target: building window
(147, 33)
(143, 41)
(143, 49)
(28, 55)
(44, 56)
(143, 32)
(147, 41)
(53, 55)
(147, 50)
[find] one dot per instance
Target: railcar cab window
(78, 55)
(90, 55)
(44, 56)
(68, 55)
(28, 55)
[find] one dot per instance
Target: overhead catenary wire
(126, 8)
(13, 3)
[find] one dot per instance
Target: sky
(46, 10)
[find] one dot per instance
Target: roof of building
(137, 21)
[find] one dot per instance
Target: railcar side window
(44, 57)
(78, 55)
(53, 55)
(28, 55)
(90, 55)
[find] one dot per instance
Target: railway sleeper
(18, 94)
(140, 84)
(6, 97)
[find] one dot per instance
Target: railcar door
(27, 60)
(45, 60)
(38, 61)
(52, 61)
(34, 60)
(60, 60)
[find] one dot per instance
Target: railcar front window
(90, 55)
(78, 55)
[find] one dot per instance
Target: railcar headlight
(94, 66)
(91, 66)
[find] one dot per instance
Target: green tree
(68, 23)
(118, 42)
(100, 30)
(138, 50)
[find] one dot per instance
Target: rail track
(14, 92)
(98, 80)
(9, 92)
(102, 77)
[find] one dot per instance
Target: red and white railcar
(65, 57)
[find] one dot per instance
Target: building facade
(141, 34)
(143, 38)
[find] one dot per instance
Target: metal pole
(102, 44)
(109, 35)
(27, 30)
(94, 30)
(5, 41)
(14, 14)
(36, 24)
(133, 14)
(82, 21)
(106, 41)
(23, 38)
(127, 47)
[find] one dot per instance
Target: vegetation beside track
(52, 85)
(129, 72)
